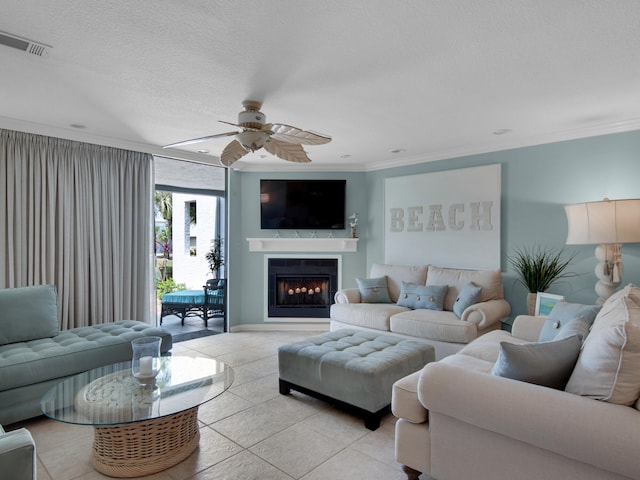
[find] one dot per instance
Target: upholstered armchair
(17, 455)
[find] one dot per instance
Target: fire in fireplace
(301, 287)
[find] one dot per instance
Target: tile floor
(250, 431)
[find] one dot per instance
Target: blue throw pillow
(549, 363)
(577, 326)
(467, 296)
(564, 312)
(430, 297)
(373, 290)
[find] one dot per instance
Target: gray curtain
(78, 216)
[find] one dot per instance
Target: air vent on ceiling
(24, 44)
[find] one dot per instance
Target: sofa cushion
(564, 312)
(430, 297)
(609, 365)
(434, 325)
(546, 363)
(72, 351)
(487, 347)
(396, 274)
(370, 315)
(489, 280)
(468, 363)
(373, 290)
(28, 313)
(467, 296)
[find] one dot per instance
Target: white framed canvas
(449, 219)
(545, 303)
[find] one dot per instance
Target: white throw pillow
(630, 291)
(608, 367)
(622, 309)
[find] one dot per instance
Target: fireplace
(301, 287)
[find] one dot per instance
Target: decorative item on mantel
(353, 223)
(537, 269)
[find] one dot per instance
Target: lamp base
(608, 270)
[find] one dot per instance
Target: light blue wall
(536, 183)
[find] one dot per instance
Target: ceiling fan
(283, 141)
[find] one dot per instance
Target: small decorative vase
(353, 234)
(145, 362)
(531, 303)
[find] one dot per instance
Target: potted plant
(537, 268)
(214, 257)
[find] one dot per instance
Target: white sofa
(456, 419)
(443, 329)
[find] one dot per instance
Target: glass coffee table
(139, 429)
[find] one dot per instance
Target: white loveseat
(443, 329)
(457, 419)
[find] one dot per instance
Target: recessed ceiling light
(502, 131)
(345, 155)
(202, 151)
(398, 150)
(77, 125)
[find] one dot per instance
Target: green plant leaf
(539, 267)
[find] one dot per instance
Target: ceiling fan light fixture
(252, 140)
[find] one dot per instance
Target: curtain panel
(78, 216)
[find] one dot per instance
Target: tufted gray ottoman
(351, 367)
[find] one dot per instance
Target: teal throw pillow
(28, 313)
(467, 296)
(564, 312)
(430, 297)
(373, 290)
(549, 364)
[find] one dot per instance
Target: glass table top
(111, 395)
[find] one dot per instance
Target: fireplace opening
(301, 287)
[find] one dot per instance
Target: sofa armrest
(18, 455)
(594, 432)
(347, 295)
(486, 314)
(527, 327)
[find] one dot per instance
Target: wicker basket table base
(142, 448)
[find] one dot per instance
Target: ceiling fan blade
(199, 140)
(290, 134)
(232, 152)
(292, 152)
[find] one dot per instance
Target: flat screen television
(302, 204)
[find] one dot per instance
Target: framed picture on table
(545, 303)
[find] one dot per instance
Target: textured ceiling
(433, 79)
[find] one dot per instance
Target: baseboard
(262, 327)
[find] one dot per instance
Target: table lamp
(607, 223)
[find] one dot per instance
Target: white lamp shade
(608, 221)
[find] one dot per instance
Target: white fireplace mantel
(303, 244)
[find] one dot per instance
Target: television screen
(302, 204)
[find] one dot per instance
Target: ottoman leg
(371, 421)
(285, 387)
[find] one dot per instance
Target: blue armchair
(17, 455)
